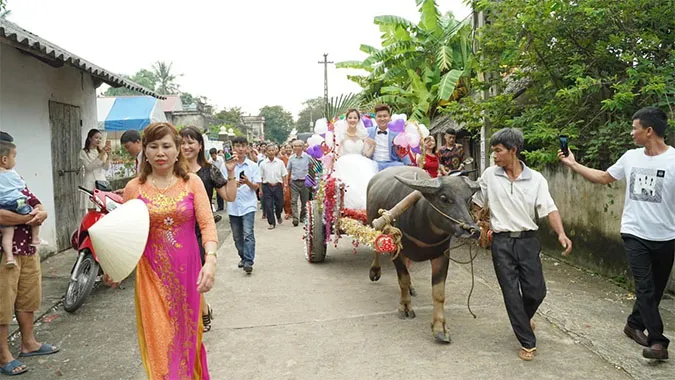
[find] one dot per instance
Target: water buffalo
(427, 228)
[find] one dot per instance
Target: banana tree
(418, 66)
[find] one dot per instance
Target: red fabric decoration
(359, 215)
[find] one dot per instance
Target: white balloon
(411, 129)
(315, 140)
(321, 126)
(424, 130)
(329, 139)
(397, 116)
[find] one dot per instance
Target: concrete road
(294, 320)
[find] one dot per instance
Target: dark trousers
(650, 262)
(518, 268)
(298, 190)
(273, 202)
(221, 202)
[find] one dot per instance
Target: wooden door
(66, 130)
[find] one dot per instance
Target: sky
(244, 53)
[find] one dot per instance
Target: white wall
(26, 87)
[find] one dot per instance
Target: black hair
(654, 118)
(239, 140)
(6, 148)
(6, 137)
(509, 137)
(213, 151)
(130, 136)
(192, 133)
(451, 131)
(92, 133)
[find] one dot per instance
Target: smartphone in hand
(564, 147)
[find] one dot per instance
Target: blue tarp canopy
(133, 112)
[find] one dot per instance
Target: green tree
(579, 68)
(418, 66)
(166, 80)
(278, 123)
(314, 109)
(143, 77)
(186, 98)
(229, 116)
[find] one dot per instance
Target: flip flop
(45, 349)
(8, 369)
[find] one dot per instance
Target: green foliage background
(579, 68)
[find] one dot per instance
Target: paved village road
(293, 320)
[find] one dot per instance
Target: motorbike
(86, 271)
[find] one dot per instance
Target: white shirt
(272, 171)
(514, 205)
(139, 159)
(649, 209)
(382, 152)
(218, 162)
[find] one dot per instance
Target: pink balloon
(401, 140)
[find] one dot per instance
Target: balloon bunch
(410, 135)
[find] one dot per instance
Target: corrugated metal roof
(23, 39)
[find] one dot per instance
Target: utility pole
(325, 63)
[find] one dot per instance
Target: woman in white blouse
(96, 160)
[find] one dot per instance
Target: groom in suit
(385, 152)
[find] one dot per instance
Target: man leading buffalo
(516, 195)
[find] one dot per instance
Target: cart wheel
(315, 234)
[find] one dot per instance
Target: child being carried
(12, 199)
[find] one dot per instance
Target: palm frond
(448, 83)
(350, 65)
(394, 21)
(444, 58)
(368, 49)
(430, 17)
(339, 105)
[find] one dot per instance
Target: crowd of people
(177, 181)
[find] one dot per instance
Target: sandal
(10, 369)
(206, 319)
(527, 354)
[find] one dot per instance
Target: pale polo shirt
(382, 152)
(514, 205)
(272, 171)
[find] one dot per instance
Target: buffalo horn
(426, 186)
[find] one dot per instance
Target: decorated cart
(328, 219)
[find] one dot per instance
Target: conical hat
(119, 238)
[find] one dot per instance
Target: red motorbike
(87, 272)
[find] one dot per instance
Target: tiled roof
(20, 38)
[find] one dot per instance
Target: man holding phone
(647, 222)
(242, 210)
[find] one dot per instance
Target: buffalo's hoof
(442, 337)
(406, 314)
(375, 273)
(413, 292)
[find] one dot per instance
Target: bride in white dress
(353, 167)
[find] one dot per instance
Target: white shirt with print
(649, 209)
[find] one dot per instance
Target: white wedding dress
(354, 170)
